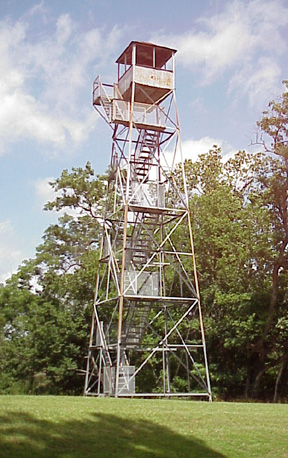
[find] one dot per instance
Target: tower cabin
(145, 80)
(150, 68)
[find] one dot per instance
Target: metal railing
(102, 91)
(143, 113)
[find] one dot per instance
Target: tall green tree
(273, 137)
(44, 315)
(236, 241)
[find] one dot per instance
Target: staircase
(101, 343)
(106, 104)
(135, 325)
(101, 97)
(140, 246)
(143, 159)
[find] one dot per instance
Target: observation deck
(149, 70)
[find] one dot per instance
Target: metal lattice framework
(147, 328)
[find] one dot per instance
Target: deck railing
(102, 91)
(143, 113)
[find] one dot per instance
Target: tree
(42, 344)
(236, 238)
(44, 314)
(273, 137)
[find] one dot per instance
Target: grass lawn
(48, 426)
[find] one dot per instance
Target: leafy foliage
(44, 313)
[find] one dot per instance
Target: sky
(231, 60)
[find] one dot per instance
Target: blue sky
(231, 60)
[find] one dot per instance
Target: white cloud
(64, 29)
(21, 117)
(11, 254)
(39, 10)
(43, 81)
(44, 191)
(257, 81)
(192, 148)
(244, 38)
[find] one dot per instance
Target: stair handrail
(102, 336)
(100, 91)
(104, 93)
(117, 93)
(117, 108)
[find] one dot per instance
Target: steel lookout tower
(147, 335)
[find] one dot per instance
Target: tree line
(240, 223)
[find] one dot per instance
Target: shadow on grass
(22, 435)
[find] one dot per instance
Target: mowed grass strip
(48, 426)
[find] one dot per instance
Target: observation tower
(147, 335)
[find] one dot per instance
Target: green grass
(50, 426)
